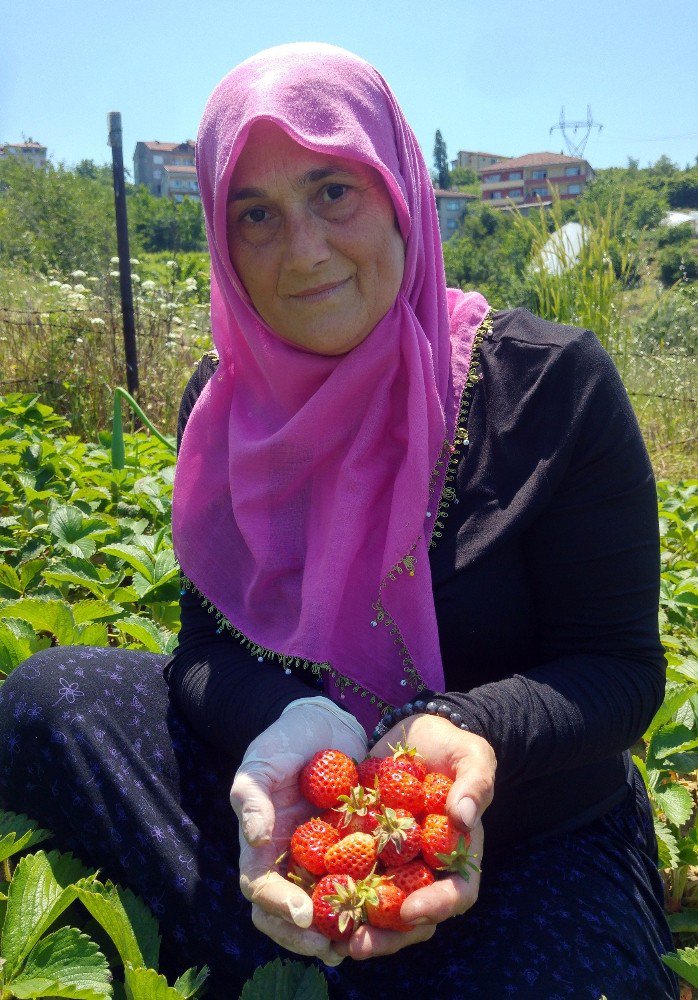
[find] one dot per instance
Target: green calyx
(460, 860)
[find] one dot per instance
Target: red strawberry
(436, 789)
(410, 877)
(398, 836)
(399, 789)
(355, 812)
(407, 758)
(446, 848)
(329, 774)
(368, 769)
(309, 845)
(383, 903)
(354, 855)
(337, 907)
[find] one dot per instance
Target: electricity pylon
(576, 147)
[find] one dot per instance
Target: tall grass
(599, 287)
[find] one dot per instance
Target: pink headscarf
(307, 486)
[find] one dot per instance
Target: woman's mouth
(320, 292)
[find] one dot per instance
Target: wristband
(418, 707)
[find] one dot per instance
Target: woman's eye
(333, 192)
(255, 215)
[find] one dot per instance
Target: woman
(394, 510)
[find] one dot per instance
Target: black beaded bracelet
(418, 707)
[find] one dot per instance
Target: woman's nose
(307, 244)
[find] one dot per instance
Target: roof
(169, 147)
(23, 145)
(178, 170)
(532, 160)
(477, 152)
(455, 193)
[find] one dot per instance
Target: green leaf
(685, 922)
(286, 981)
(191, 983)
(17, 832)
(81, 573)
(685, 963)
(92, 611)
(134, 556)
(640, 765)
(44, 615)
(9, 581)
(670, 706)
(671, 739)
(92, 634)
(64, 964)
(18, 641)
(675, 801)
(155, 640)
(73, 531)
(127, 921)
(667, 845)
(29, 570)
(40, 890)
(147, 984)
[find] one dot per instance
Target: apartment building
(451, 206)
(475, 161)
(32, 152)
(529, 180)
(158, 165)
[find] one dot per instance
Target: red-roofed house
(151, 159)
(32, 152)
(528, 180)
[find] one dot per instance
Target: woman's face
(313, 239)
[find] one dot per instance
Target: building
(151, 159)
(451, 206)
(180, 182)
(32, 152)
(530, 180)
(475, 161)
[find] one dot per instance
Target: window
(496, 194)
(572, 171)
(516, 193)
(539, 192)
(574, 189)
(158, 159)
(451, 223)
(516, 175)
(453, 206)
(539, 175)
(492, 178)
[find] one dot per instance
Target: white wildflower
(78, 274)
(148, 285)
(97, 321)
(79, 288)
(136, 278)
(44, 317)
(93, 279)
(54, 284)
(114, 260)
(190, 284)
(170, 263)
(135, 261)
(78, 340)
(113, 274)
(176, 319)
(66, 288)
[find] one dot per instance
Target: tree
(464, 177)
(443, 177)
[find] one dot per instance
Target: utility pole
(125, 284)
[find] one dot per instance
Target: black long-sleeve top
(545, 586)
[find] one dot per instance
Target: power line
(576, 147)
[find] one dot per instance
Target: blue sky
(490, 75)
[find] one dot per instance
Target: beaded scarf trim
(287, 662)
(450, 456)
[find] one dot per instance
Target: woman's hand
(470, 761)
(269, 806)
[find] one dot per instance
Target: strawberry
(410, 877)
(337, 907)
(309, 845)
(446, 848)
(436, 789)
(407, 758)
(368, 769)
(329, 774)
(399, 789)
(398, 837)
(383, 902)
(355, 811)
(354, 855)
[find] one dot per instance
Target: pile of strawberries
(383, 834)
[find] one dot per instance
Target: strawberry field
(86, 558)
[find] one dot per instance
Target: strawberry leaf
(127, 921)
(685, 963)
(64, 964)
(17, 832)
(286, 981)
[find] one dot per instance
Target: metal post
(115, 141)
